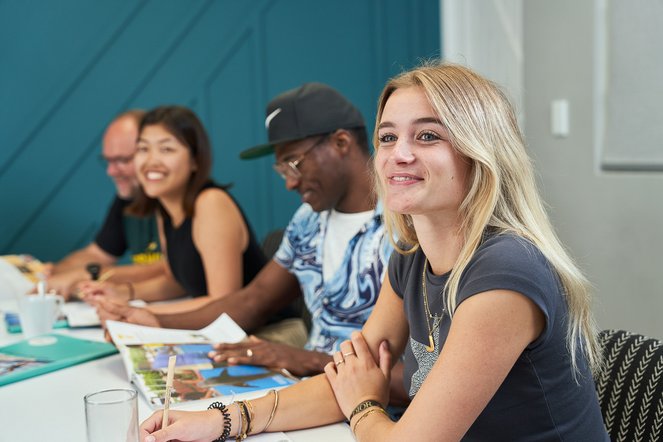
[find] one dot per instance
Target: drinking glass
(112, 416)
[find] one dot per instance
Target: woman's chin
(151, 193)
(399, 207)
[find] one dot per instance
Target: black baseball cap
(311, 109)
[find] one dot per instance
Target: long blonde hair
(502, 192)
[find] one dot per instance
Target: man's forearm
(76, 260)
(79, 258)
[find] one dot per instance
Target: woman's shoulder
(509, 261)
(402, 267)
(211, 197)
(509, 249)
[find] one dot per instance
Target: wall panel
(69, 66)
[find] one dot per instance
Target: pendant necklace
(436, 319)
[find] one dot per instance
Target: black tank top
(185, 261)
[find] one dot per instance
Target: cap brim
(265, 149)
(257, 151)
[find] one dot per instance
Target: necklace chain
(436, 319)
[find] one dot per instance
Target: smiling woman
(211, 250)
(482, 303)
(409, 131)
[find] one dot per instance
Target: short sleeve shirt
(539, 399)
(122, 233)
(342, 304)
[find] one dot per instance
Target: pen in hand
(169, 386)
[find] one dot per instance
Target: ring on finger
(249, 353)
(350, 353)
(342, 361)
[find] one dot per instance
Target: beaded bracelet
(226, 420)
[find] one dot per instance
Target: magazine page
(224, 329)
(196, 375)
(18, 274)
(146, 350)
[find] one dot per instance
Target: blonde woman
(491, 314)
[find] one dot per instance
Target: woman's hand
(63, 283)
(108, 310)
(355, 377)
(92, 291)
(184, 426)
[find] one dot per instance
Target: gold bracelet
(273, 413)
(365, 405)
(240, 424)
(370, 410)
(241, 433)
(252, 416)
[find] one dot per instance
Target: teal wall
(68, 66)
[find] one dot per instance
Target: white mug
(38, 313)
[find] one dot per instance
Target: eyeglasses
(117, 161)
(288, 169)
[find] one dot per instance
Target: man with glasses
(334, 251)
(120, 233)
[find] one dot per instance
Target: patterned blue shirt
(342, 304)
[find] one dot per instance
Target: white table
(50, 407)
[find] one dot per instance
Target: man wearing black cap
(334, 251)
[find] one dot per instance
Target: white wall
(610, 221)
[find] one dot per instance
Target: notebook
(47, 353)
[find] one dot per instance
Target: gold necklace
(436, 319)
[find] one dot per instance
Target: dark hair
(361, 138)
(184, 125)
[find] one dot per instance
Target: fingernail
(150, 438)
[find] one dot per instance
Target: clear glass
(112, 416)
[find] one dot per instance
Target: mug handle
(59, 301)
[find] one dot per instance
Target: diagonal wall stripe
(93, 144)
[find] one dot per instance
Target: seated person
(210, 248)
(121, 233)
(334, 251)
(492, 315)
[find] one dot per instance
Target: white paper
(270, 437)
(80, 314)
(13, 283)
(224, 329)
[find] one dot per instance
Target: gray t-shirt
(539, 400)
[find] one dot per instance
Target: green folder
(33, 357)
